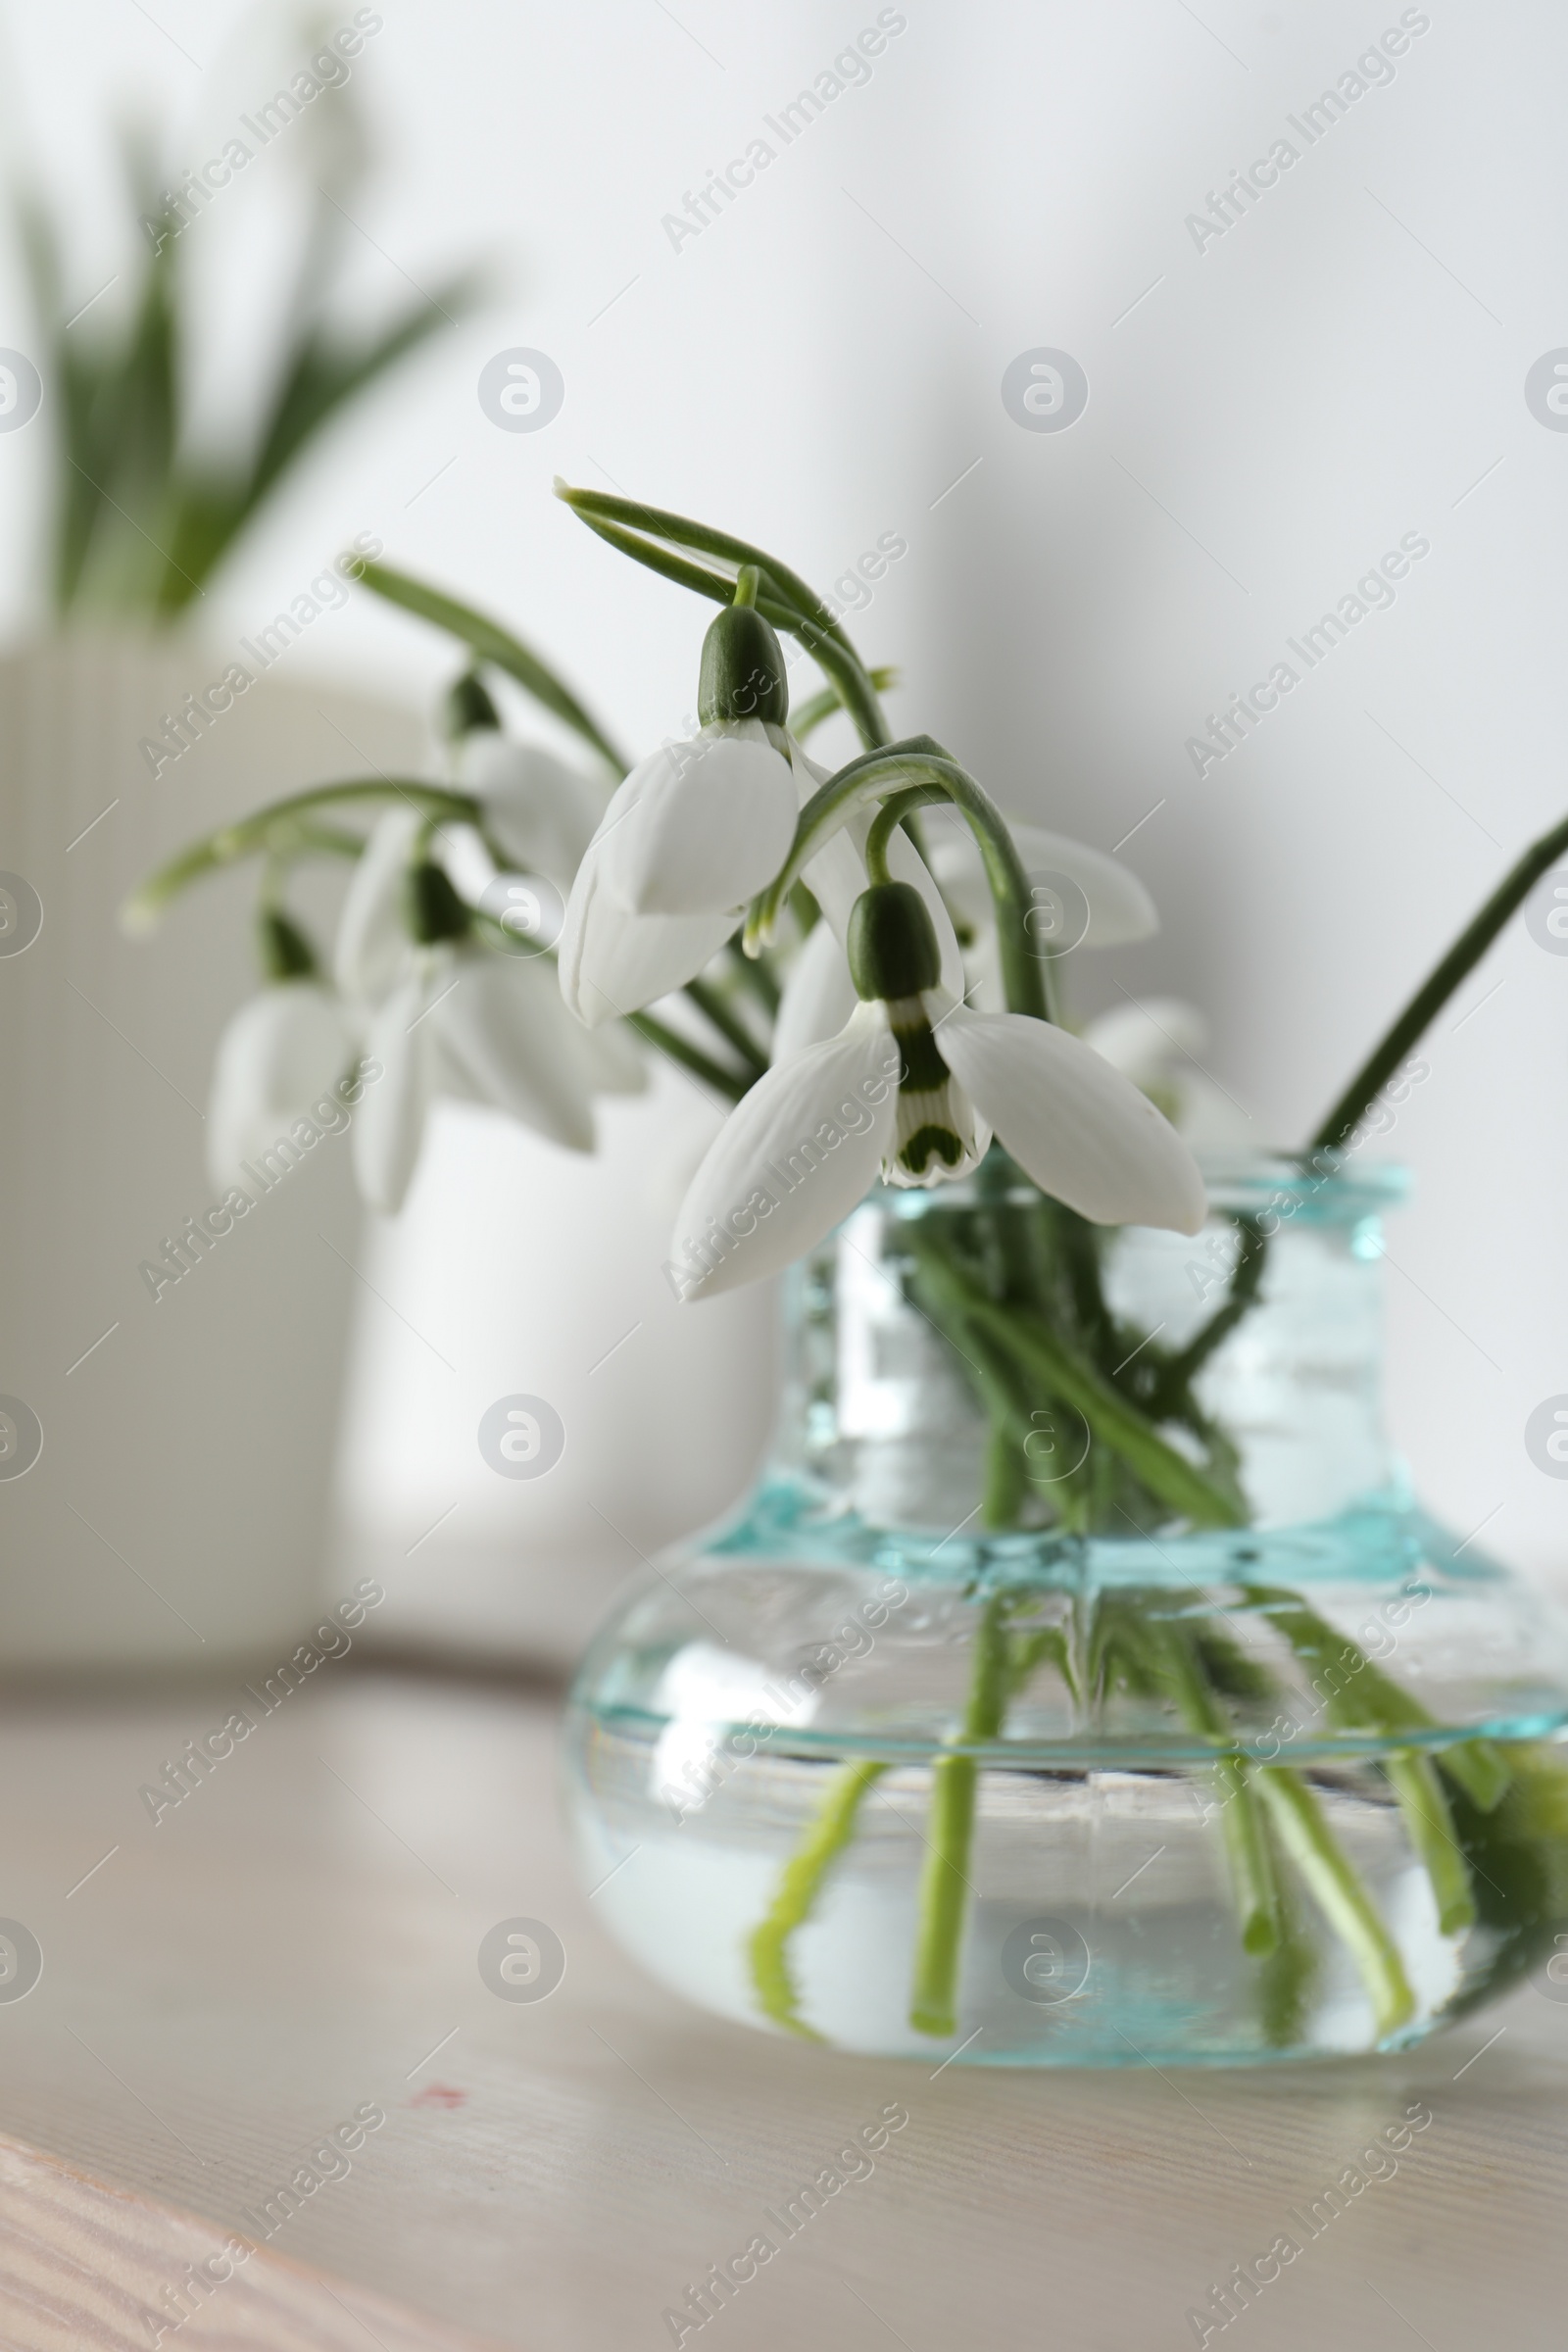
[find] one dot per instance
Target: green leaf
(495, 645)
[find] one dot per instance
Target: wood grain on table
(295, 1943)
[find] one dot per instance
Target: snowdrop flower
(818, 994)
(464, 1020)
(695, 830)
(1079, 898)
(281, 1057)
(1117, 910)
(372, 931)
(1156, 1045)
(913, 1086)
(542, 813)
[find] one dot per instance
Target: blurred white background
(822, 365)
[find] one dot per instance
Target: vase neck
(888, 1415)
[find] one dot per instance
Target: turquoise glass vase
(1103, 1786)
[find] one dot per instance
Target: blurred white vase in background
(176, 1514)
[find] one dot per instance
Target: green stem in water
(798, 1889)
(491, 643)
(1429, 1826)
(1168, 1475)
(1359, 1696)
(1434, 990)
(1246, 1280)
(1007, 1476)
(950, 1834)
(1248, 1852)
(1340, 1894)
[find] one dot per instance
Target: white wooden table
(298, 1939)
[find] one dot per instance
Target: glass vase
(1081, 1684)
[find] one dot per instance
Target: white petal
(281, 1051)
(1082, 1131)
(792, 1159)
(1120, 909)
(711, 823)
(1150, 1043)
(612, 962)
(505, 1024)
(542, 813)
(818, 995)
(372, 939)
(390, 1126)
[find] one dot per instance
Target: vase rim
(1330, 1188)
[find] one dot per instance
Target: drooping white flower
(818, 996)
(484, 1027)
(835, 877)
(913, 1087)
(1115, 908)
(819, 993)
(1078, 898)
(694, 831)
(375, 955)
(542, 813)
(1158, 1045)
(372, 946)
(284, 1052)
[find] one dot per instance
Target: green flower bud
(743, 670)
(434, 908)
(467, 708)
(285, 951)
(892, 942)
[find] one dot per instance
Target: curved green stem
(491, 643)
(783, 598)
(906, 767)
(1434, 990)
(819, 708)
(267, 829)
